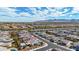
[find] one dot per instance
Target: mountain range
(59, 20)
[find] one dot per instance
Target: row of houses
(5, 40)
(56, 39)
(26, 38)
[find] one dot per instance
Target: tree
(41, 43)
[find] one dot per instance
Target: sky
(31, 14)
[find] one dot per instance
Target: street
(51, 45)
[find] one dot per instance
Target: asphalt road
(51, 45)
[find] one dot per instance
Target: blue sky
(29, 14)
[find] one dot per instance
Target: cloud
(23, 14)
(55, 12)
(7, 11)
(42, 13)
(11, 12)
(76, 9)
(38, 14)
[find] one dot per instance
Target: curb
(39, 47)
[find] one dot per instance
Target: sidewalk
(45, 44)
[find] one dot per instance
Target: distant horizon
(53, 20)
(32, 14)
